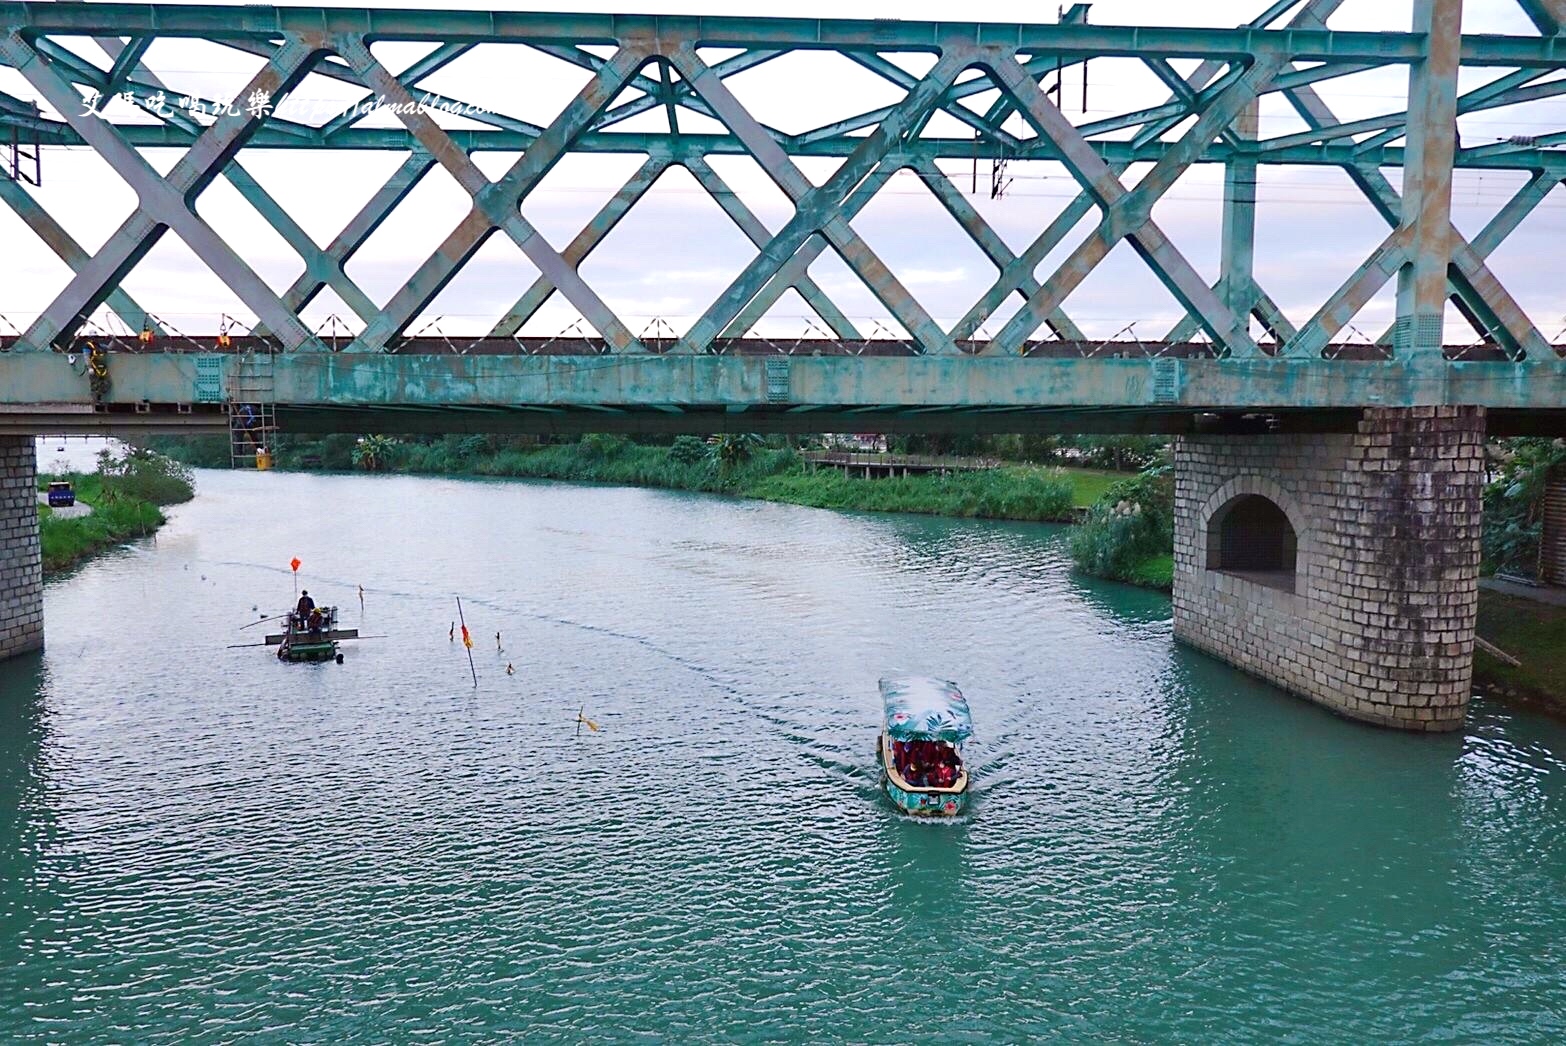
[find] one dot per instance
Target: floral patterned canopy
(922, 708)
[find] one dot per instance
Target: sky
(676, 251)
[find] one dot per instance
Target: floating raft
(332, 635)
(300, 643)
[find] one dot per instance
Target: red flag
(295, 564)
(467, 640)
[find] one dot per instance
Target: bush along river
(203, 844)
(119, 501)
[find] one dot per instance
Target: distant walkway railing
(872, 465)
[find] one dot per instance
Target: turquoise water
(202, 844)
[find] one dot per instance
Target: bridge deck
(755, 391)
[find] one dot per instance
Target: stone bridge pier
(1342, 568)
(21, 560)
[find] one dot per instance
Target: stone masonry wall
(1380, 624)
(21, 563)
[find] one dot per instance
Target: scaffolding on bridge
(252, 409)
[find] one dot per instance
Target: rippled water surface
(200, 843)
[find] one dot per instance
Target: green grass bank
(125, 495)
(736, 466)
(1532, 632)
(1030, 493)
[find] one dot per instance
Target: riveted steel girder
(895, 384)
(662, 69)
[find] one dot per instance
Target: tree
(733, 449)
(373, 453)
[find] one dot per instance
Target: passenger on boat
(315, 621)
(306, 604)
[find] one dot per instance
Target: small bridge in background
(887, 466)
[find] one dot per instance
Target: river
(202, 844)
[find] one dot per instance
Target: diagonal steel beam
(1236, 281)
(978, 85)
(899, 76)
(622, 202)
(315, 260)
(69, 251)
(1505, 222)
(1505, 91)
(1336, 313)
(579, 248)
(1548, 15)
(163, 203)
(363, 225)
(125, 59)
(1017, 273)
(495, 205)
(989, 242)
(1509, 217)
(1481, 298)
(666, 92)
(577, 55)
(819, 209)
(797, 268)
(1193, 98)
(1154, 124)
(1129, 213)
(759, 235)
(653, 91)
(682, 90)
(430, 64)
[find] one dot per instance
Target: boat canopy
(921, 708)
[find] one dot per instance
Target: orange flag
(295, 564)
(467, 640)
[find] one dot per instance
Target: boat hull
(297, 652)
(924, 804)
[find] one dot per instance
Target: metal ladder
(252, 408)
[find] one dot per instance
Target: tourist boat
(308, 639)
(925, 724)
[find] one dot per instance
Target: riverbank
(1532, 632)
(125, 495)
(70, 540)
(736, 466)
(1027, 493)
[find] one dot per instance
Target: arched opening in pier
(1251, 536)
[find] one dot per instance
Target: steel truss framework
(643, 63)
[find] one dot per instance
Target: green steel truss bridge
(1235, 353)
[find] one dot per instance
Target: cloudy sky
(676, 251)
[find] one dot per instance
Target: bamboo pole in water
(467, 641)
